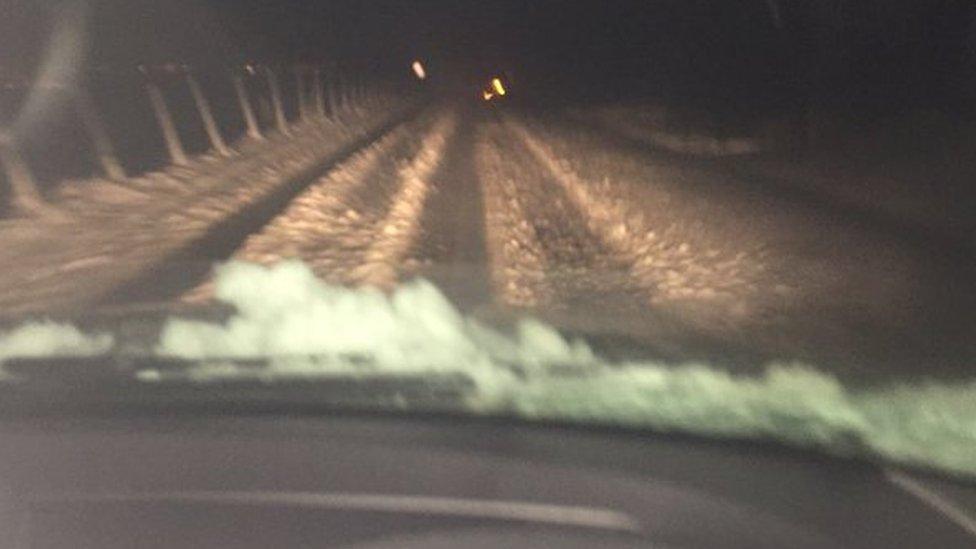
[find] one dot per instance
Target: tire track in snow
(668, 272)
(543, 251)
(330, 225)
(516, 257)
(399, 230)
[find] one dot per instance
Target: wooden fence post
(99, 136)
(333, 96)
(279, 109)
(25, 195)
(206, 115)
(300, 93)
(174, 146)
(250, 120)
(319, 98)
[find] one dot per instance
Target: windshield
(745, 219)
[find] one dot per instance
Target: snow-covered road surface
(511, 213)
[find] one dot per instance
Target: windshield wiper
(114, 382)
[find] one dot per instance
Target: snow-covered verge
(107, 232)
(933, 194)
(650, 123)
(914, 169)
(537, 374)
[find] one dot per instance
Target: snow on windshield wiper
(295, 335)
(49, 339)
(161, 369)
(69, 385)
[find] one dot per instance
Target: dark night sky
(555, 43)
(688, 46)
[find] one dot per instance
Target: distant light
(418, 69)
(487, 95)
(496, 83)
(250, 69)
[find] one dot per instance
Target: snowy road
(508, 212)
(644, 251)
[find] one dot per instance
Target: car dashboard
(377, 481)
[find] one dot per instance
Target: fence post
(343, 92)
(358, 92)
(333, 98)
(279, 109)
(353, 93)
(250, 120)
(25, 196)
(368, 96)
(206, 114)
(319, 99)
(300, 93)
(99, 136)
(174, 146)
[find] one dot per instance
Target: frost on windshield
(310, 328)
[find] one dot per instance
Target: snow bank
(648, 123)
